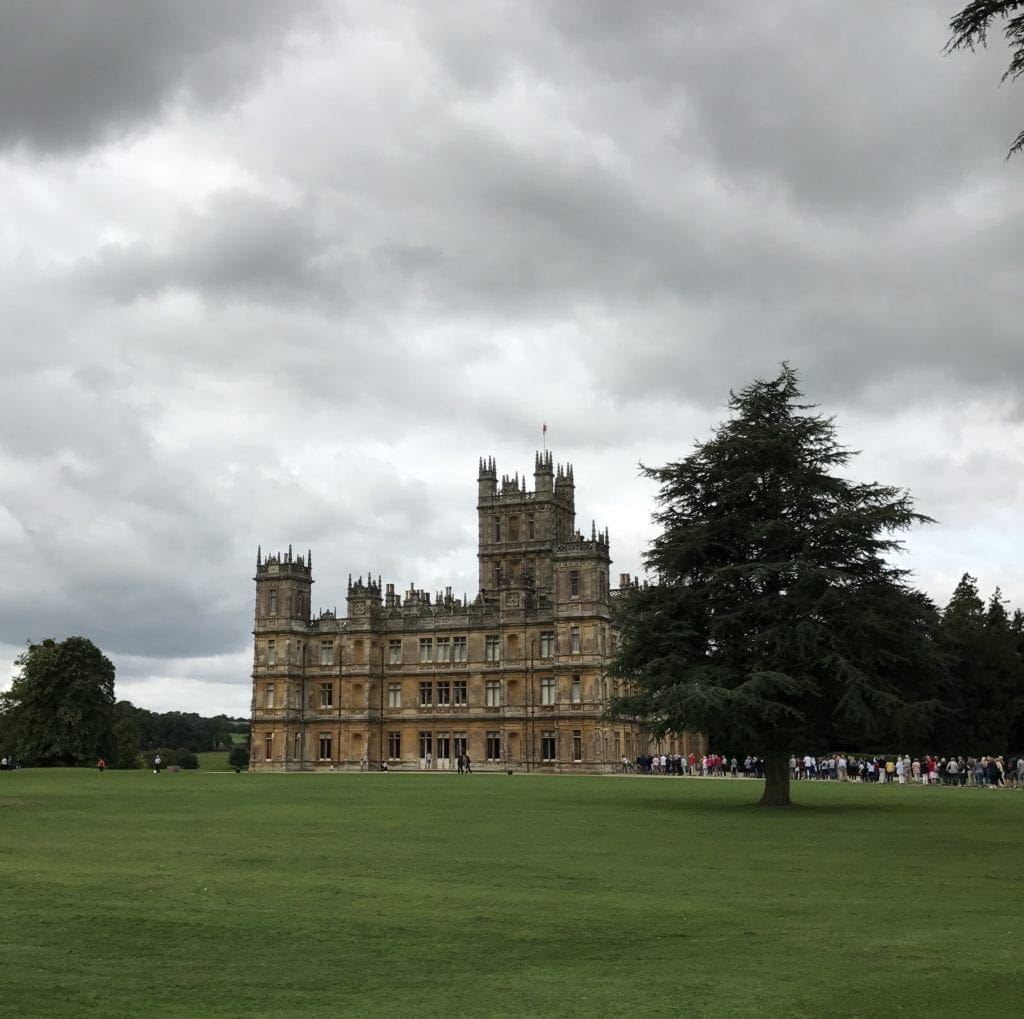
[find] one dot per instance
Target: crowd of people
(992, 772)
(987, 771)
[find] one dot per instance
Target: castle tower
(518, 530)
(283, 587)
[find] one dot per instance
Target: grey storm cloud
(75, 73)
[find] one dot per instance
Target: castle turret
(283, 587)
(543, 473)
(487, 478)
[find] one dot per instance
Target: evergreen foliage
(777, 623)
(970, 28)
(985, 691)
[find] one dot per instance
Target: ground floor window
(444, 747)
(297, 742)
(325, 746)
(493, 743)
(577, 745)
(268, 746)
(394, 746)
(426, 745)
(548, 745)
(460, 744)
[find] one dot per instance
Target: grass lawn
(209, 893)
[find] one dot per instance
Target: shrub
(239, 756)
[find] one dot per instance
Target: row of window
(445, 693)
(440, 747)
(452, 693)
(443, 650)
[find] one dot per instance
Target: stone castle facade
(517, 678)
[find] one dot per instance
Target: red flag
(545, 430)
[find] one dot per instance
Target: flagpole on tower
(544, 437)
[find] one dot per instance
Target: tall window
(547, 644)
(325, 746)
(513, 528)
(394, 746)
(458, 649)
(577, 689)
(326, 651)
(574, 640)
(444, 649)
(394, 695)
(549, 745)
(271, 653)
(426, 695)
(444, 692)
(268, 746)
(273, 603)
(426, 649)
(326, 695)
(492, 648)
(577, 745)
(493, 745)
(529, 527)
(574, 583)
(297, 747)
(459, 697)
(394, 652)
(269, 702)
(547, 691)
(492, 693)
(460, 743)
(497, 529)
(426, 745)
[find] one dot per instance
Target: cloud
(79, 73)
(280, 273)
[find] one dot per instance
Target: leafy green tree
(59, 710)
(970, 29)
(776, 623)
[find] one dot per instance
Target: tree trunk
(776, 781)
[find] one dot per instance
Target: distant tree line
(982, 689)
(61, 711)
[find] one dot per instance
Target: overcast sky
(280, 273)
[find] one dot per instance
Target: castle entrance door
(426, 749)
(444, 752)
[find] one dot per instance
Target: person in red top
(101, 764)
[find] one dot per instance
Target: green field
(205, 894)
